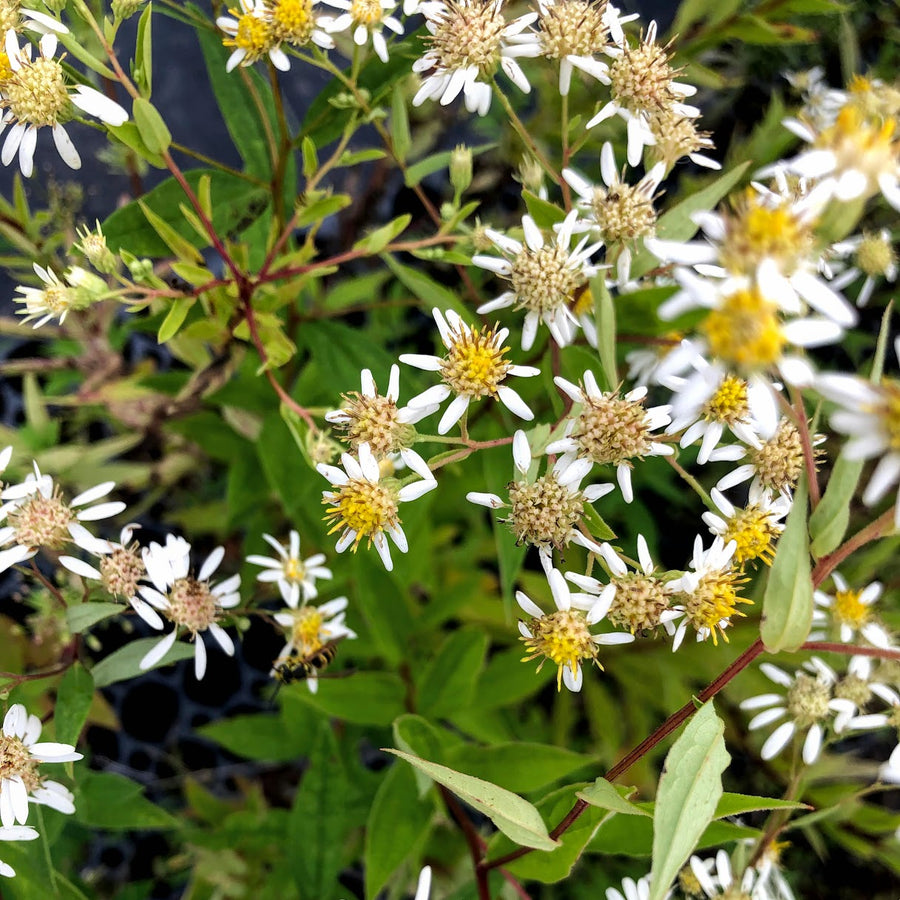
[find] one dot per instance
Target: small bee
(297, 667)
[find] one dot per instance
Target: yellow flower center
(623, 213)
(779, 461)
(42, 522)
(757, 232)
(6, 70)
(367, 508)
(612, 430)
(367, 12)
(17, 762)
(715, 601)
(292, 21)
(863, 144)
(729, 403)
(641, 78)
(807, 700)
(564, 638)
(373, 421)
(192, 604)
(294, 569)
(847, 609)
(542, 279)
(744, 332)
(468, 33)
(9, 15)
(875, 255)
(37, 94)
(305, 633)
(122, 570)
(254, 36)
(573, 28)
(474, 365)
(755, 534)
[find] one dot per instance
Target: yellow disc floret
(755, 532)
(366, 507)
(564, 638)
(305, 632)
(474, 365)
(291, 21)
(729, 402)
(36, 94)
(745, 332)
(714, 601)
(254, 36)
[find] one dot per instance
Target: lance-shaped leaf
(689, 789)
(513, 815)
(788, 601)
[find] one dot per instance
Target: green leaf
(605, 319)
(400, 135)
(321, 208)
(544, 213)
(76, 48)
(125, 662)
(829, 520)
(73, 701)
(239, 95)
(377, 240)
(689, 789)
(507, 680)
(151, 126)
(366, 698)
(425, 288)
(693, 11)
(600, 531)
(310, 157)
(398, 821)
(82, 616)
(318, 821)
(521, 766)
(676, 223)
(607, 796)
(513, 815)
(788, 600)
(175, 318)
(129, 135)
(633, 836)
(257, 736)
(235, 203)
(179, 245)
(741, 804)
(104, 800)
(551, 867)
(193, 275)
(448, 682)
(143, 53)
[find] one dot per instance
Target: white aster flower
(873, 257)
(821, 103)
(15, 833)
(573, 32)
(676, 136)
(775, 465)
(55, 299)
(857, 156)
(37, 516)
(704, 406)
(870, 415)
(620, 214)
(20, 759)
(298, 23)
(636, 600)
(190, 603)
(545, 277)
(14, 16)
(251, 35)
(365, 504)
(717, 878)
(367, 18)
(858, 688)
(808, 703)
(710, 593)
(309, 629)
(295, 577)
(564, 636)
(368, 417)
(473, 367)
(631, 890)
(36, 94)
(767, 237)
(545, 511)
(755, 529)
(641, 83)
(850, 612)
(610, 429)
(469, 40)
(121, 568)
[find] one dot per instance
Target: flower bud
(460, 169)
